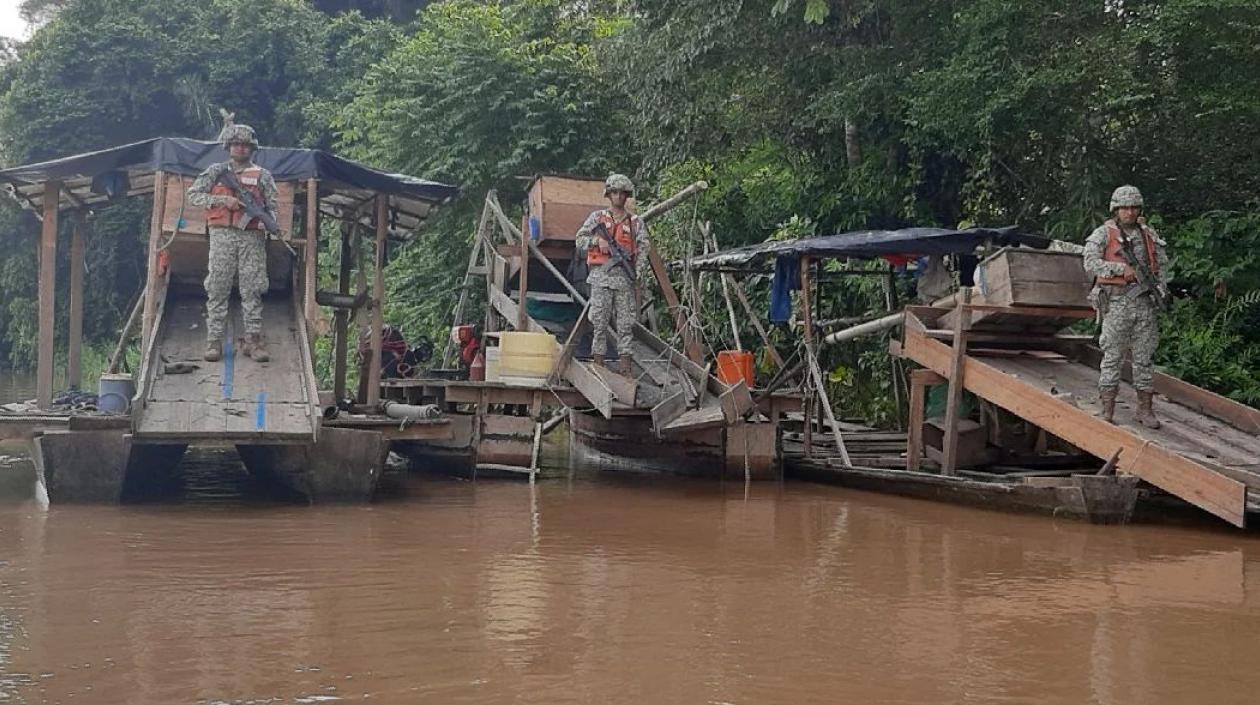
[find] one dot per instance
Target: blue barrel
(114, 393)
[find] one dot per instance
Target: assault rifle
(254, 210)
(619, 256)
(1142, 268)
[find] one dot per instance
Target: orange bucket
(735, 366)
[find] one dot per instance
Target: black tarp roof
(344, 184)
(868, 244)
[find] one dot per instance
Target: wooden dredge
(1019, 428)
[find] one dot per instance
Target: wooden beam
(74, 377)
(310, 255)
(523, 280)
(47, 295)
(919, 381)
(155, 241)
(378, 300)
(342, 317)
(1190, 480)
(962, 323)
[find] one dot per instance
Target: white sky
(11, 24)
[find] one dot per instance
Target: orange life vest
(1113, 252)
(224, 217)
(622, 232)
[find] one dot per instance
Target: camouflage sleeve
(199, 191)
(1095, 244)
(586, 234)
(270, 194)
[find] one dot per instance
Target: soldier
(614, 270)
(1129, 306)
(237, 248)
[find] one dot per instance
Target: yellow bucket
(526, 358)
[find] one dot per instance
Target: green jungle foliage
(806, 117)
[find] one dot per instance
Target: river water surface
(600, 589)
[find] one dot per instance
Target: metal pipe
(875, 326)
(411, 412)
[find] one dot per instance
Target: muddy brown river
(603, 589)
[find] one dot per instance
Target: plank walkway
(233, 399)
(1195, 456)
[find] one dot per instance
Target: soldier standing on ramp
(238, 243)
(615, 243)
(1130, 269)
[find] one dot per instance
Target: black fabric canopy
(867, 244)
(343, 183)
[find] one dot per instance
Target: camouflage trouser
(235, 254)
(1130, 324)
(616, 296)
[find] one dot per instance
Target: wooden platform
(236, 398)
(1197, 456)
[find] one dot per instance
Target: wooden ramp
(1207, 453)
(235, 399)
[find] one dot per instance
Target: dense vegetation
(807, 116)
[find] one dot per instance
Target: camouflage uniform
(235, 254)
(612, 291)
(1130, 315)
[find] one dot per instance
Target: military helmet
(238, 133)
(618, 182)
(1126, 196)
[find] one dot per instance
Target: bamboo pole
(724, 279)
(378, 301)
(74, 377)
(120, 350)
(155, 241)
(47, 295)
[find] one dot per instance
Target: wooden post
(378, 301)
(810, 359)
(522, 315)
(756, 322)
(311, 256)
(47, 295)
(342, 316)
(155, 241)
(74, 378)
(919, 381)
(959, 356)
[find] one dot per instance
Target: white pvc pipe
(861, 329)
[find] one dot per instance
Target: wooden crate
(1024, 277)
(561, 204)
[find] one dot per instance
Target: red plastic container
(734, 366)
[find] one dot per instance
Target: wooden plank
(342, 317)
(1240, 416)
(623, 388)
(692, 347)
(310, 269)
(668, 410)
(1171, 472)
(155, 241)
(500, 425)
(523, 280)
(914, 444)
(954, 399)
(378, 300)
(708, 417)
(75, 356)
(47, 295)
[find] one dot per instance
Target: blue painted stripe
(229, 366)
(261, 422)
